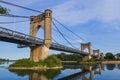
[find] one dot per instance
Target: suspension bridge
(39, 48)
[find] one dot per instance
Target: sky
(96, 21)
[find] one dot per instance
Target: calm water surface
(70, 72)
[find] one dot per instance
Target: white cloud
(74, 12)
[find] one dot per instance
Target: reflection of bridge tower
(98, 71)
(36, 76)
(88, 46)
(98, 52)
(102, 66)
(40, 52)
(91, 73)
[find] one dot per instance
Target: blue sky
(97, 21)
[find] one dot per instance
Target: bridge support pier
(85, 58)
(40, 52)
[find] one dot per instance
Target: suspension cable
(14, 22)
(69, 29)
(63, 35)
(10, 15)
(54, 40)
(12, 4)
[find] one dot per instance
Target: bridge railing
(10, 33)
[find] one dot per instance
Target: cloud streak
(75, 12)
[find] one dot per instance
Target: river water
(69, 72)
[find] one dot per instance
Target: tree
(69, 57)
(4, 10)
(110, 56)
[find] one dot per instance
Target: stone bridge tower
(44, 20)
(98, 52)
(88, 46)
(101, 55)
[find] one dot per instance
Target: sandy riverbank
(111, 62)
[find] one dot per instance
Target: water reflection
(87, 73)
(69, 72)
(37, 74)
(110, 66)
(118, 66)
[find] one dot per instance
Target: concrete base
(39, 53)
(86, 58)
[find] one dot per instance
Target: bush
(52, 61)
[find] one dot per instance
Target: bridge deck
(11, 36)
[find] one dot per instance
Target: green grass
(51, 61)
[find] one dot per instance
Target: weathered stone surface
(86, 58)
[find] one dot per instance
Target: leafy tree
(4, 10)
(109, 56)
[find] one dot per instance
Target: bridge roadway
(11, 36)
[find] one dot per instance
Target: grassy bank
(51, 61)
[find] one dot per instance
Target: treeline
(69, 57)
(3, 59)
(77, 57)
(111, 56)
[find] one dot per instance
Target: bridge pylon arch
(101, 55)
(44, 20)
(88, 46)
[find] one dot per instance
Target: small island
(51, 62)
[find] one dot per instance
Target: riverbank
(83, 62)
(96, 62)
(110, 62)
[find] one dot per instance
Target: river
(69, 72)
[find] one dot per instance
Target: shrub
(51, 61)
